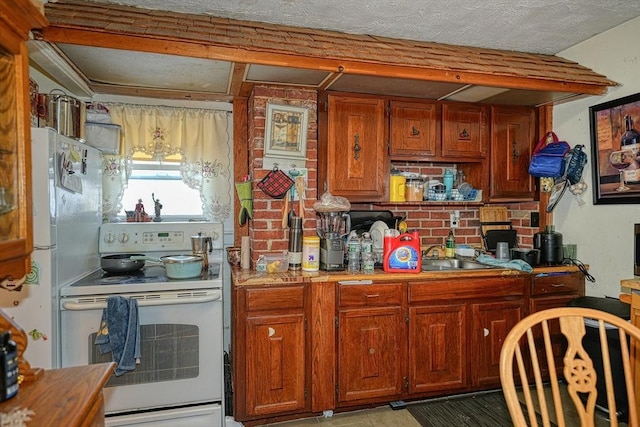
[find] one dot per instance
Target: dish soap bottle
(450, 247)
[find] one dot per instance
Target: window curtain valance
(197, 138)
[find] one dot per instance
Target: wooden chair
(529, 343)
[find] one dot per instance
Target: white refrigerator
(67, 213)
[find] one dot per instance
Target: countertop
(252, 278)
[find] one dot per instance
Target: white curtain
(198, 138)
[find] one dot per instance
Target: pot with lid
(549, 242)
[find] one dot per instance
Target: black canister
(8, 366)
(295, 243)
(549, 242)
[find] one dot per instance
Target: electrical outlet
(454, 220)
(535, 219)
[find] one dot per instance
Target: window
(163, 181)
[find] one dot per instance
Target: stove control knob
(123, 238)
(109, 238)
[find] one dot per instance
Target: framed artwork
(615, 150)
(286, 132)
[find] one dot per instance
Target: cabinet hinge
(305, 324)
(336, 390)
(406, 383)
(337, 323)
(326, 106)
(306, 394)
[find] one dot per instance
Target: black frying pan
(121, 263)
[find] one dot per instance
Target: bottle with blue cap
(448, 182)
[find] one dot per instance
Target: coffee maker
(331, 227)
(549, 242)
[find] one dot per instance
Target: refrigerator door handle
(43, 247)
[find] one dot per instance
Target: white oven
(180, 378)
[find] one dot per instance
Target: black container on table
(8, 366)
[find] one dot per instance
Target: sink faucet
(425, 252)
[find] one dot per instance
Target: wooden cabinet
(371, 337)
(319, 344)
(415, 130)
(270, 354)
(17, 18)
(437, 348)
(464, 131)
(475, 315)
(491, 322)
(353, 160)
(512, 141)
(551, 291)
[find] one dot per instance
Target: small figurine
(139, 212)
(158, 207)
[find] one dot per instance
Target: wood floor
(382, 416)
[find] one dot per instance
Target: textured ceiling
(539, 26)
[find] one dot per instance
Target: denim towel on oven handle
(119, 333)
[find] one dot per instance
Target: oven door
(181, 348)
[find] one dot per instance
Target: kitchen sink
(452, 264)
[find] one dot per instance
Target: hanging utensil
(300, 189)
(285, 210)
(292, 212)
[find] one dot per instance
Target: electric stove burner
(118, 280)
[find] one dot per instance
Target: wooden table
(70, 397)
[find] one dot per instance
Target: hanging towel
(516, 264)
(119, 333)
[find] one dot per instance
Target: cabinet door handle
(485, 332)
(356, 146)
(414, 131)
(372, 295)
(557, 285)
(516, 153)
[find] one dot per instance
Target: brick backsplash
(432, 221)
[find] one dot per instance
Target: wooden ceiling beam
(207, 50)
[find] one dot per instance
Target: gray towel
(120, 333)
(516, 264)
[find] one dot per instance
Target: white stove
(154, 239)
(180, 378)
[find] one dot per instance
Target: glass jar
(414, 190)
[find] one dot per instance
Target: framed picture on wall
(286, 132)
(615, 150)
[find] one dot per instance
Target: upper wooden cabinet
(17, 18)
(436, 131)
(464, 131)
(353, 160)
(512, 141)
(415, 130)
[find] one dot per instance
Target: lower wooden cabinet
(551, 292)
(370, 353)
(269, 351)
(275, 363)
(303, 348)
(371, 336)
(437, 348)
(490, 324)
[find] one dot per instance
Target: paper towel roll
(245, 252)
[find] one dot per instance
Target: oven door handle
(80, 306)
